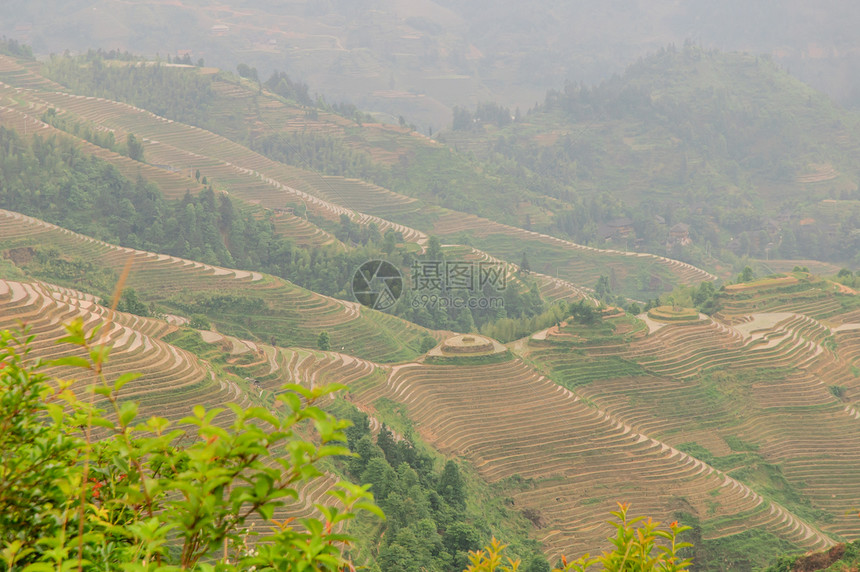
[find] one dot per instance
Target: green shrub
(155, 495)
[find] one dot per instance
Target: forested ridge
(162, 89)
(728, 144)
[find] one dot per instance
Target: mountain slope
(257, 180)
(751, 160)
(249, 304)
(418, 59)
(563, 459)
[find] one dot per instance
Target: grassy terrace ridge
(769, 282)
(173, 185)
(612, 330)
(382, 143)
(579, 264)
(247, 175)
(797, 291)
(551, 287)
(252, 178)
(247, 304)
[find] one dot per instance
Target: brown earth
(819, 560)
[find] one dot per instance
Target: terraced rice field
(302, 232)
(173, 380)
(812, 297)
(575, 449)
(243, 173)
(292, 315)
(764, 382)
(170, 375)
(767, 392)
(23, 75)
(551, 288)
(172, 184)
(577, 459)
(383, 143)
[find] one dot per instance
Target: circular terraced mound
(672, 314)
(466, 345)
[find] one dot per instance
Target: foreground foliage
(155, 495)
(639, 546)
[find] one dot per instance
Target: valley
(616, 374)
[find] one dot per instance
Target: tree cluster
(176, 93)
(318, 152)
(281, 84)
(426, 526)
(485, 114)
(12, 47)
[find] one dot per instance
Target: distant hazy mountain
(419, 58)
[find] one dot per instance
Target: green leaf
(291, 400)
(300, 389)
(39, 567)
(127, 412)
(102, 422)
(266, 511)
(70, 361)
(369, 507)
(157, 424)
(262, 486)
(125, 378)
(56, 412)
(99, 354)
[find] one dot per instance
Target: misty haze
(429, 285)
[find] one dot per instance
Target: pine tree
(451, 486)
(525, 267)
